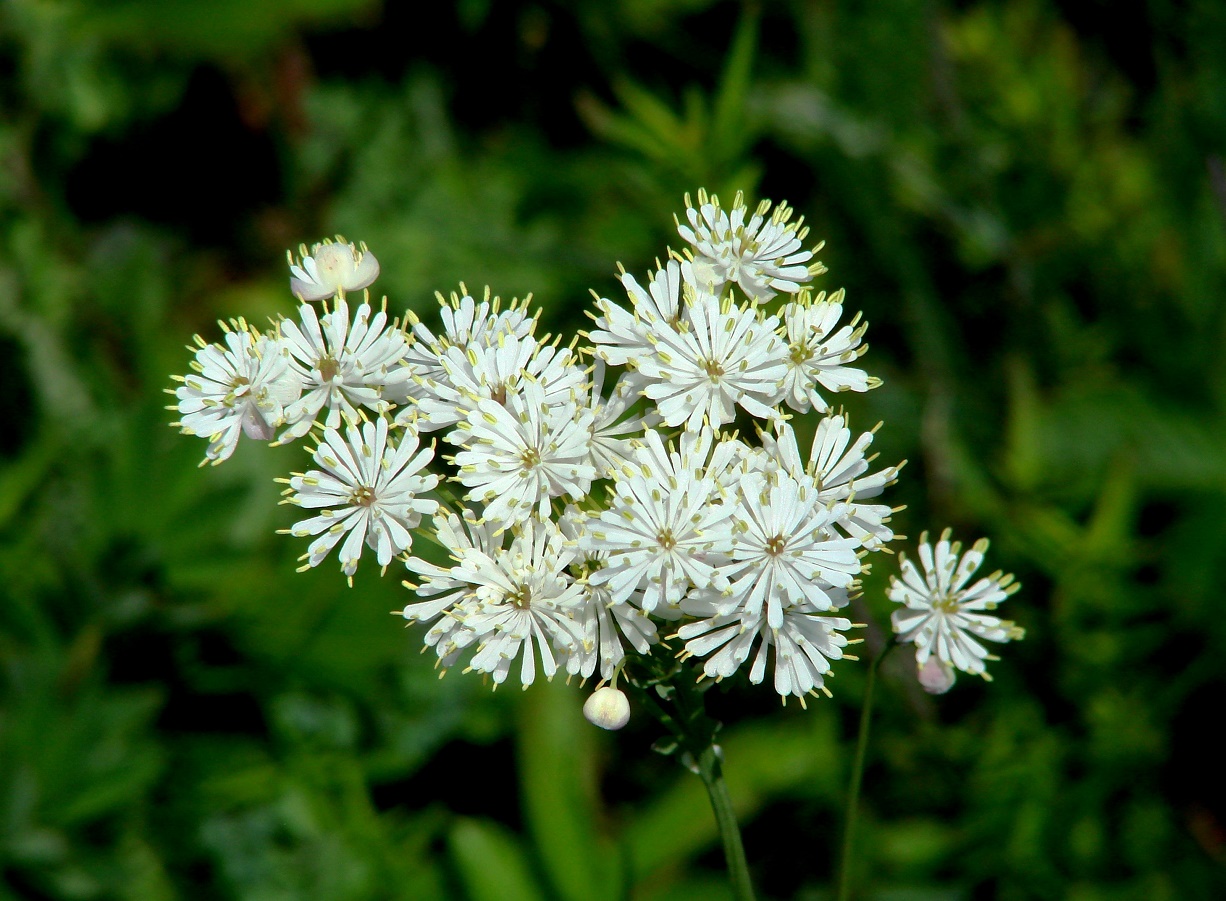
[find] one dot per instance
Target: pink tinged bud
(607, 708)
(935, 676)
(332, 270)
(256, 426)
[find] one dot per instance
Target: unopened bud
(936, 676)
(607, 708)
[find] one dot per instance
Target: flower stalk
(693, 742)
(857, 776)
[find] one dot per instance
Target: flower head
(840, 468)
(507, 604)
(943, 615)
(725, 355)
(818, 354)
(761, 256)
(342, 365)
(331, 269)
(241, 388)
(666, 526)
(516, 458)
(367, 491)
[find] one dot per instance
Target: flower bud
(607, 708)
(935, 676)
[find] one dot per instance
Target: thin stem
(721, 802)
(694, 746)
(857, 776)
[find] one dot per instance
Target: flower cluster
(645, 487)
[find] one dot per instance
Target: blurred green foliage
(1027, 198)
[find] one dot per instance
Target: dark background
(1027, 199)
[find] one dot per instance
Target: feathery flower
(367, 491)
(494, 372)
(241, 388)
(526, 606)
(604, 622)
(614, 422)
(819, 355)
(515, 458)
(804, 643)
(448, 596)
(840, 468)
(665, 528)
(784, 553)
(727, 355)
(761, 256)
(342, 366)
(944, 616)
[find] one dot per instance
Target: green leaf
(557, 776)
(491, 863)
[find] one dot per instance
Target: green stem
(721, 802)
(857, 776)
(695, 747)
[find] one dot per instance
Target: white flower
(493, 372)
(804, 643)
(840, 469)
(621, 335)
(761, 256)
(607, 708)
(516, 457)
(367, 490)
(818, 355)
(666, 527)
(240, 388)
(613, 422)
(944, 616)
(466, 323)
(783, 553)
(526, 603)
(342, 367)
(604, 622)
(727, 355)
(331, 269)
(448, 596)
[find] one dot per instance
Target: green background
(1026, 198)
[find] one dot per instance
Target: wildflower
(613, 422)
(515, 458)
(367, 491)
(665, 527)
(447, 596)
(342, 366)
(804, 643)
(783, 553)
(467, 324)
(526, 603)
(621, 336)
(727, 356)
(331, 269)
(761, 256)
(942, 615)
(839, 466)
(242, 388)
(604, 621)
(818, 355)
(494, 372)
